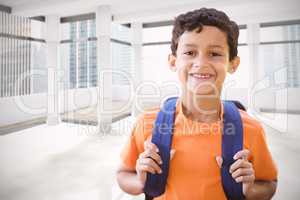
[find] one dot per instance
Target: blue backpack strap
(238, 104)
(162, 138)
(232, 142)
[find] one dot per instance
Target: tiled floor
(71, 161)
(88, 115)
(85, 116)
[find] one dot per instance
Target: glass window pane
(240, 79)
(243, 36)
(82, 64)
(80, 56)
(92, 63)
(122, 63)
(92, 28)
(17, 55)
(280, 63)
(120, 32)
(280, 33)
(155, 64)
(37, 29)
(157, 34)
(39, 67)
(65, 31)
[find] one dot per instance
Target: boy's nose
(200, 61)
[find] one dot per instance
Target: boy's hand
(241, 170)
(149, 161)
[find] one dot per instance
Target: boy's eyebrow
(210, 46)
(191, 45)
(216, 46)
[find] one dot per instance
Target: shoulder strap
(162, 138)
(238, 104)
(232, 142)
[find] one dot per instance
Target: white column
(254, 72)
(52, 41)
(137, 48)
(103, 31)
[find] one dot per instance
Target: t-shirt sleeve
(135, 144)
(263, 163)
(130, 153)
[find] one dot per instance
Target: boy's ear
(172, 62)
(234, 64)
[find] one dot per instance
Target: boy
(204, 49)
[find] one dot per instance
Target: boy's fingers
(239, 164)
(152, 154)
(150, 163)
(219, 160)
(172, 153)
(243, 154)
(245, 179)
(242, 172)
(146, 168)
(149, 145)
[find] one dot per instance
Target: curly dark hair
(206, 16)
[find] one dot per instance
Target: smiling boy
(204, 49)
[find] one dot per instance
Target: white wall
(22, 108)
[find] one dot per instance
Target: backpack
(232, 142)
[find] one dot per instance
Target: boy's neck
(201, 108)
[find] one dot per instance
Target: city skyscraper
(15, 55)
(82, 54)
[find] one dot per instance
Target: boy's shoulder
(149, 114)
(145, 121)
(250, 124)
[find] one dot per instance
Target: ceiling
(153, 10)
(64, 7)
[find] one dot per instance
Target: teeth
(203, 76)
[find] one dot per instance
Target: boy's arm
(263, 190)
(133, 181)
(242, 171)
(129, 181)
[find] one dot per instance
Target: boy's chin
(205, 94)
(203, 91)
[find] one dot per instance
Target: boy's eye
(213, 54)
(189, 53)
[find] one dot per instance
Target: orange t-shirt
(194, 173)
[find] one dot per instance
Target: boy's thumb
(219, 160)
(172, 152)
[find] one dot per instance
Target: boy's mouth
(202, 76)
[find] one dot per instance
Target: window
(120, 32)
(155, 64)
(121, 63)
(240, 79)
(20, 45)
(280, 54)
(156, 48)
(157, 34)
(79, 53)
(121, 54)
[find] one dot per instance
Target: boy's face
(202, 60)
